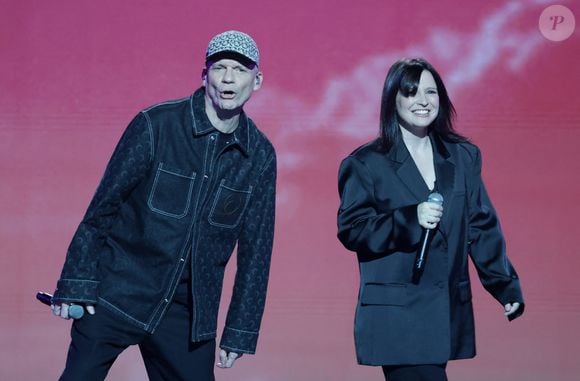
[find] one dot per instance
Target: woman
(413, 317)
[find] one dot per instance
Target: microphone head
(436, 198)
(75, 311)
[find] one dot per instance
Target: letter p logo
(557, 23)
(556, 20)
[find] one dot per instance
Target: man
(188, 181)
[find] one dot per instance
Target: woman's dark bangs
(410, 80)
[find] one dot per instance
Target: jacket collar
(202, 126)
(409, 173)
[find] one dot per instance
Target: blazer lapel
(445, 173)
(408, 173)
(410, 176)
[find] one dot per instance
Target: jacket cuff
(518, 313)
(76, 290)
(513, 294)
(239, 341)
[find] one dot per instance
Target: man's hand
(227, 359)
(511, 308)
(61, 310)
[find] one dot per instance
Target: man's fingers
(64, 311)
(223, 358)
(231, 358)
(227, 359)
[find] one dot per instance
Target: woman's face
(417, 112)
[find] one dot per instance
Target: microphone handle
(437, 198)
(44, 298)
(75, 311)
(422, 253)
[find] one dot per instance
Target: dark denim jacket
(177, 191)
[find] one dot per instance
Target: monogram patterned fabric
(177, 196)
(234, 41)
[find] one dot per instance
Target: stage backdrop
(73, 73)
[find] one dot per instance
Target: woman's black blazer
(430, 321)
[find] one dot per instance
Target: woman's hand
(429, 214)
(511, 308)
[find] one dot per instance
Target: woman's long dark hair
(404, 76)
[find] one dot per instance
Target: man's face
(229, 84)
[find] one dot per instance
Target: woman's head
(415, 97)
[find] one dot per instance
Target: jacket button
(182, 260)
(166, 300)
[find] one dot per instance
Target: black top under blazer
(430, 322)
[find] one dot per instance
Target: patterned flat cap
(236, 42)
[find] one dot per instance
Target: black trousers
(415, 372)
(168, 354)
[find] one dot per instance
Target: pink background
(74, 72)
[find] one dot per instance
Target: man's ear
(258, 80)
(204, 76)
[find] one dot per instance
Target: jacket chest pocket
(229, 205)
(171, 192)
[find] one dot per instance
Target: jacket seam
(124, 314)
(241, 330)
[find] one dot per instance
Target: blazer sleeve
(487, 244)
(365, 226)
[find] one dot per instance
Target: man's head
(231, 72)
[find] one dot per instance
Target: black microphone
(426, 237)
(74, 310)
